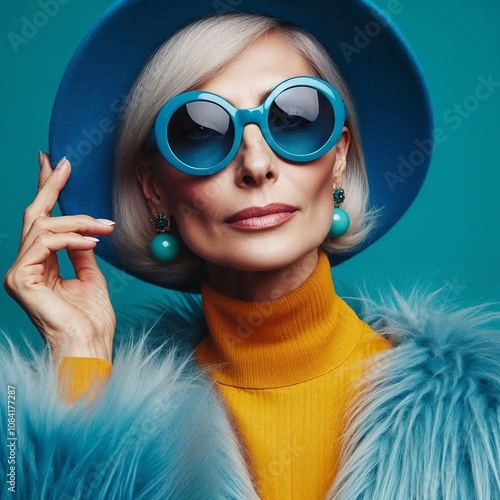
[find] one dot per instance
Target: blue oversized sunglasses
(199, 133)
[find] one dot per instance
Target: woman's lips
(255, 218)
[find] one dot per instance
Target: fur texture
(158, 432)
(426, 427)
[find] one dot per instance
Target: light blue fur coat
(426, 428)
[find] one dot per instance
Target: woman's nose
(256, 161)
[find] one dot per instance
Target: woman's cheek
(193, 216)
(198, 193)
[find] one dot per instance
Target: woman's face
(287, 207)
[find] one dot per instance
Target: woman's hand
(74, 315)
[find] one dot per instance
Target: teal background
(449, 238)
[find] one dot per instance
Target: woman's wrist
(87, 349)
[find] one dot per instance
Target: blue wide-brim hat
(384, 78)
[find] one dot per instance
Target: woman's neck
(289, 340)
(260, 286)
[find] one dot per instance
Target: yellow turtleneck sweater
(287, 371)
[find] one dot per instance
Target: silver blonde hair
(176, 67)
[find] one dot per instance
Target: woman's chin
(264, 259)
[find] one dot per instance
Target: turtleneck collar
(297, 337)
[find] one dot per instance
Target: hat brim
(385, 80)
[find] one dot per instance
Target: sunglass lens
(200, 134)
(301, 120)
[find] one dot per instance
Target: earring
(163, 247)
(341, 220)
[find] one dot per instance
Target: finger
(45, 171)
(85, 264)
(47, 196)
(32, 269)
(82, 224)
(45, 168)
(47, 244)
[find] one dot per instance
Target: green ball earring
(163, 247)
(341, 220)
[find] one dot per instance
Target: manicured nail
(91, 238)
(106, 222)
(62, 161)
(40, 157)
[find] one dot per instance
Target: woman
(245, 198)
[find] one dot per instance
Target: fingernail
(62, 161)
(107, 222)
(91, 238)
(40, 157)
